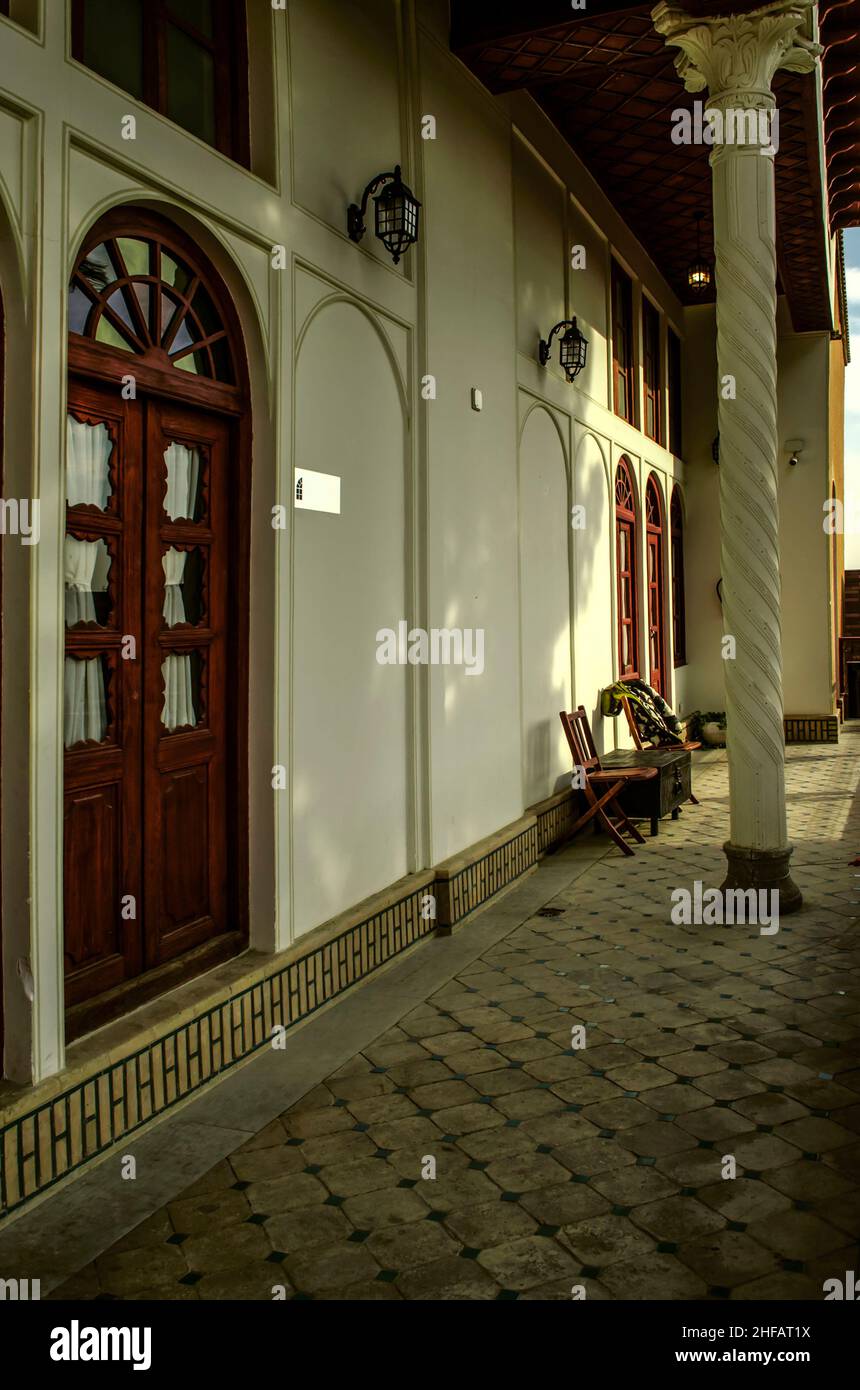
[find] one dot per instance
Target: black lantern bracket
(356, 215)
(572, 351)
(397, 234)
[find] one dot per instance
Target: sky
(852, 399)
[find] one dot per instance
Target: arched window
(136, 294)
(656, 561)
(679, 612)
(627, 571)
(156, 618)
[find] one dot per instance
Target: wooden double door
(149, 692)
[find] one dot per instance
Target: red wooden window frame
(228, 49)
(655, 579)
(652, 371)
(679, 607)
(622, 344)
(673, 360)
(627, 580)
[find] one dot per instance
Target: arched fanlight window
(136, 295)
(679, 616)
(653, 515)
(626, 571)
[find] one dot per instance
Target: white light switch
(477, 399)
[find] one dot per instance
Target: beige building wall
(451, 517)
(806, 377)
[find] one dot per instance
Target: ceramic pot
(713, 735)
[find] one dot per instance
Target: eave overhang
(607, 80)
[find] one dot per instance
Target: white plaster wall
(350, 783)
(704, 672)
(432, 527)
(346, 102)
(472, 483)
(544, 606)
(540, 249)
(802, 364)
(588, 301)
(802, 375)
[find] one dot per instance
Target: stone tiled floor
(557, 1166)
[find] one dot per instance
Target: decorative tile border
(471, 880)
(811, 728)
(56, 1135)
(47, 1136)
(556, 818)
(50, 1131)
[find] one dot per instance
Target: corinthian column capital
(736, 56)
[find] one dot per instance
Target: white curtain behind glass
(88, 449)
(183, 468)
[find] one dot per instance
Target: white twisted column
(735, 57)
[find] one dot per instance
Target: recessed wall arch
(545, 584)
(352, 773)
(562, 438)
(594, 602)
(16, 482)
(373, 318)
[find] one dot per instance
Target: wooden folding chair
(607, 781)
(637, 738)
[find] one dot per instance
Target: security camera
(795, 449)
(794, 460)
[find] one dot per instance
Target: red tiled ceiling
(608, 81)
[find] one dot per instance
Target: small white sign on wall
(316, 492)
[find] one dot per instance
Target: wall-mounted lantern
(573, 348)
(397, 211)
(699, 273)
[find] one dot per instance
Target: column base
(762, 868)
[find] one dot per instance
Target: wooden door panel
(185, 763)
(94, 941)
(185, 836)
(102, 828)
